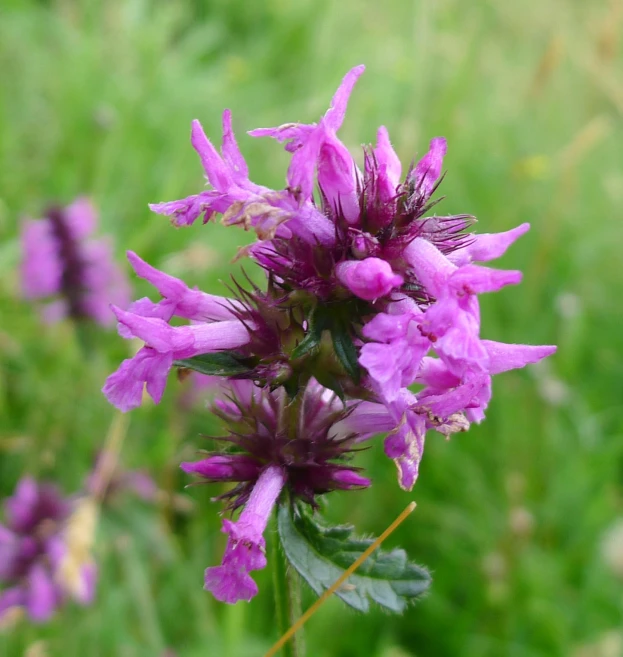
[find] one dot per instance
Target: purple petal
(245, 549)
(81, 218)
(185, 341)
(504, 357)
(231, 153)
(296, 133)
(384, 364)
(11, 598)
(387, 167)
(124, 388)
(42, 596)
(458, 399)
(216, 170)
(366, 419)
(9, 552)
(155, 332)
(386, 328)
(231, 581)
(190, 304)
(186, 211)
(435, 374)
(428, 169)
(21, 508)
(303, 164)
(338, 178)
(369, 279)
(488, 246)
(41, 267)
(349, 479)
(475, 279)
(405, 445)
(334, 116)
(431, 267)
(224, 467)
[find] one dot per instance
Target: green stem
(287, 599)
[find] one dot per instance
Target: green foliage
(321, 555)
(219, 364)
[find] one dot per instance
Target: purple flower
(246, 547)
(31, 545)
(368, 279)
(312, 451)
(447, 402)
(163, 345)
(62, 264)
(240, 200)
(368, 289)
(218, 326)
(178, 300)
(396, 347)
(109, 479)
(272, 450)
(316, 145)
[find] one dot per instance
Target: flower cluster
(34, 551)
(306, 445)
(369, 322)
(76, 273)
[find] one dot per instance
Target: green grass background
(512, 517)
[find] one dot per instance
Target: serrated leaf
(346, 351)
(222, 363)
(321, 554)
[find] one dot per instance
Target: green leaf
(321, 554)
(222, 363)
(318, 322)
(346, 351)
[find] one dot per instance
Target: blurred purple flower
(32, 549)
(76, 274)
(106, 481)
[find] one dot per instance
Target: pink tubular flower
(316, 146)
(393, 358)
(61, 263)
(240, 200)
(164, 344)
(177, 298)
(368, 279)
(453, 323)
(246, 547)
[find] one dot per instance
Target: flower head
(272, 446)
(32, 546)
(369, 290)
(311, 449)
(60, 262)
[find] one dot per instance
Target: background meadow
(521, 519)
